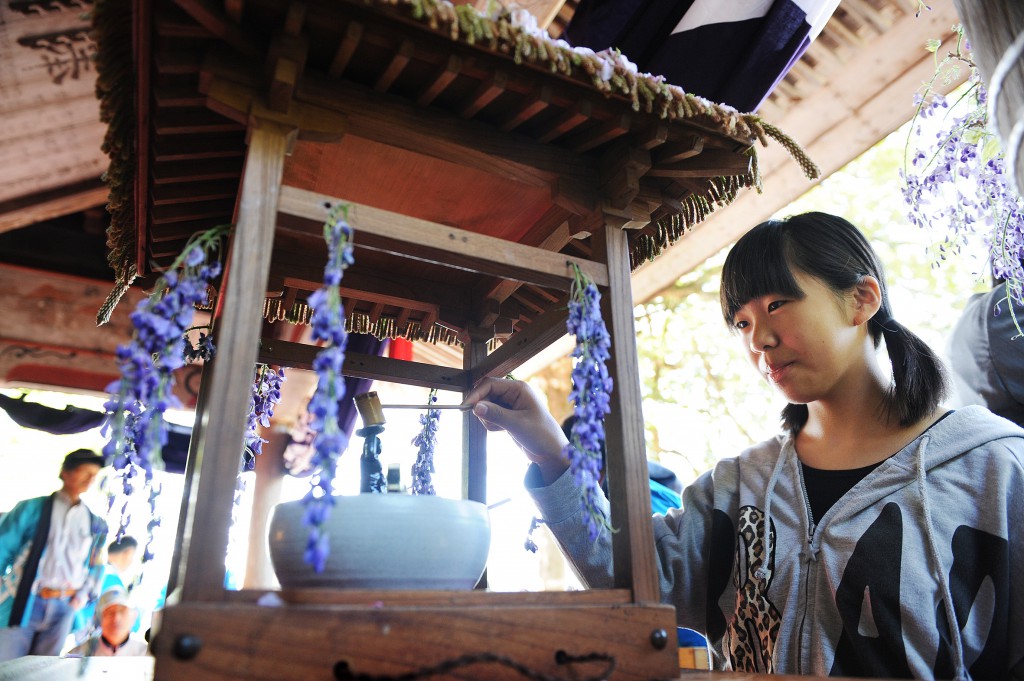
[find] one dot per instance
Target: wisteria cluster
(266, 393)
(591, 388)
(204, 349)
(135, 424)
(425, 442)
(954, 175)
(154, 522)
(328, 324)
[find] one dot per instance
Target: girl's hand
(512, 406)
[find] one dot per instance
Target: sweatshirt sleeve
(680, 538)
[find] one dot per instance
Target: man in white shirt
(117, 617)
(51, 562)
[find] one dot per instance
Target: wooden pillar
(238, 331)
(474, 435)
(181, 537)
(633, 542)
(270, 472)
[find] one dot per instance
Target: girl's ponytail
(919, 379)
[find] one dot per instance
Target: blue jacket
(17, 529)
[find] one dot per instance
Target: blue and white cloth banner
(729, 51)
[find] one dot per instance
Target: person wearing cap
(118, 571)
(117, 617)
(51, 562)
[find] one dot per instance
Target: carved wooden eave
(56, 345)
(50, 152)
(407, 114)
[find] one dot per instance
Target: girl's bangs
(757, 266)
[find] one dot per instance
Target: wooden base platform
(222, 641)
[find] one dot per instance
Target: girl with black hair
(875, 536)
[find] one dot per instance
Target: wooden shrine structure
(480, 160)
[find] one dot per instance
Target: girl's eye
(775, 305)
(739, 326)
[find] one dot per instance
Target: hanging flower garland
(591, 386)
(328, 324)
(265, 396)
(425, 441)
(135, 425)
(962, 183)
(204, 348)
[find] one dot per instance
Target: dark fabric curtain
(175, 452)
(728, 51)
(64, 421)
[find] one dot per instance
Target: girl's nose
(761, 338)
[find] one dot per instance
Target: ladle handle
(460, 407)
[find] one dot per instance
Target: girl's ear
(867, 299)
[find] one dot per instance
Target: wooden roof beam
(347, 48)
(569, 121)
(220, 25)
(399, 60)
(469, 143)
(441, 81)
(530, 107)
(710, 163)
(486, 92)
(424, 240)
(286, 58)
(53, 203)
(301, 356)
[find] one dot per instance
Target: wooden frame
(307, 104)
(626, 623)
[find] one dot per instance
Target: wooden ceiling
(852, 87)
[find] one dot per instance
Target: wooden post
(238, 332)
(474, 435)
(633, 542)
(181, 538)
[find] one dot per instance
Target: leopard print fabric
(751, 635)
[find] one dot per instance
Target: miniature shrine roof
(418, 107)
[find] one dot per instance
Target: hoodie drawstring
(947, 597)
(766, 533)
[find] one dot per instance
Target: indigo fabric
(729, 51)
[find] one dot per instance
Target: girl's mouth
(776, 372)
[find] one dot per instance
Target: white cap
(112, 596)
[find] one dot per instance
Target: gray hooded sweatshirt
(916, 572)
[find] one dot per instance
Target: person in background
(117, 617)
(118, 572)
(986, 354)
(51, 562)
(877, 535)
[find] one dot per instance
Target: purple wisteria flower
(328, 326)
(204, 349)
(154, 522)
(954, 175)
(266, 394)
(135, 422)
(425, 441)
(591, 387)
